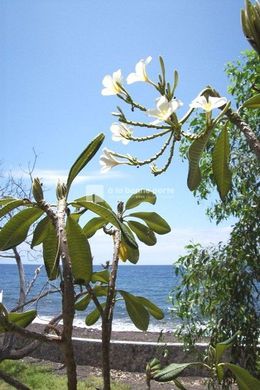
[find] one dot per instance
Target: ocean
(154, 282)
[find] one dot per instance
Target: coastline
(93, 333)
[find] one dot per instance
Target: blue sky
(54, 56)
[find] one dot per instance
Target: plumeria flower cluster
(165, 122)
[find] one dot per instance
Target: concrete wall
(125, 355)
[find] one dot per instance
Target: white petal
(162, 103)
(148, 60)
(217, 101)
(175, 104)
(117, 76)
(140, 70)
(132, 78)
(153, 112)
(107, 92)
(107, 81)
(199, 102)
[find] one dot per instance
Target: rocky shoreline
(93, 333)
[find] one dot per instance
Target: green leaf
(222, 347)
(83, 302)
(84, 158)
(171, 371)
(20, 319)
(13, 204)
(244, 379)
(136, 311)
(93, 225)
(110, 217)
(253, 102)
(140, 197)
(100, 276)
(144, 233)
(93, 317)
(16, 229)
(154, 221)
(127, 252)
(40, 232)
(154, 310)
(194, 155)
(220, 161)
(93, 198)
(50, 248)
(128, 237)
(7, 199)
(79, 251)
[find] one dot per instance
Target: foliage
(220, 285)
(250, 18)
(208, 137)
(214, 365)
(67, 255)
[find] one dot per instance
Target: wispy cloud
(50, 177)
(168, 247)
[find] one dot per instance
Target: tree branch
(13, 382)
(251, 138)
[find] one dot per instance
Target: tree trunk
(251, 138)
(22, 293)
(107, 317)
(68, 309)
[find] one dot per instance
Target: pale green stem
(159, 171)
(149, 137)
(153, 158)
(142, 124)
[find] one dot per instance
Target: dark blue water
(153, 282)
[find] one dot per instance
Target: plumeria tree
(67, 257)
(171, 129)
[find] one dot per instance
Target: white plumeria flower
(164, 109)
(107, 160)
(210, 104)
(140, 72)
(120, 132)
(111, 83)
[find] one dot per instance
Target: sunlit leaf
(220, 161)
(253, 102)
(79, 251)
(93, 225)
(154, 310)
(244, 379)
(93, 198)
(20, 319)
(222, 347)
(154, 221)
(83, 302)
(127, 252)
(84, 158)
(144, 233)
(50, 248)
(194, 155)
(13, 204)
(171, 372)
(136, 311)
(140, 197)
(101, 276)
(16, 229)
(110, 217)
(94, 316)
(40, 232)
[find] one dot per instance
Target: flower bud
(37, 190)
